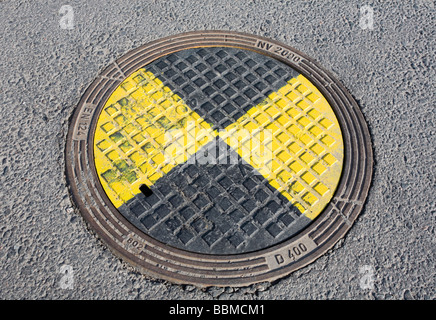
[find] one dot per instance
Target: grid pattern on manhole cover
(200, 212)
(238, 218)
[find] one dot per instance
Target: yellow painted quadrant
(130, 142)
(305, 143)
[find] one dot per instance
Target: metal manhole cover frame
(162, 261)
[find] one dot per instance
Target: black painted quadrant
(224, 207)
(221, 84)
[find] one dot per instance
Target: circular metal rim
(162, 261)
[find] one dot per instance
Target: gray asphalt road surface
(387, 64)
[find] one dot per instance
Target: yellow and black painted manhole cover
(218, 158)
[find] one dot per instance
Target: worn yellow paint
(131, 141)
(305, 143)
(292, 138)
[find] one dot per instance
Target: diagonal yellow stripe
(294, 140)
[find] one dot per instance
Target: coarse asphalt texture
(389, 69)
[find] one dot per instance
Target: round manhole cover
(217, 158)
